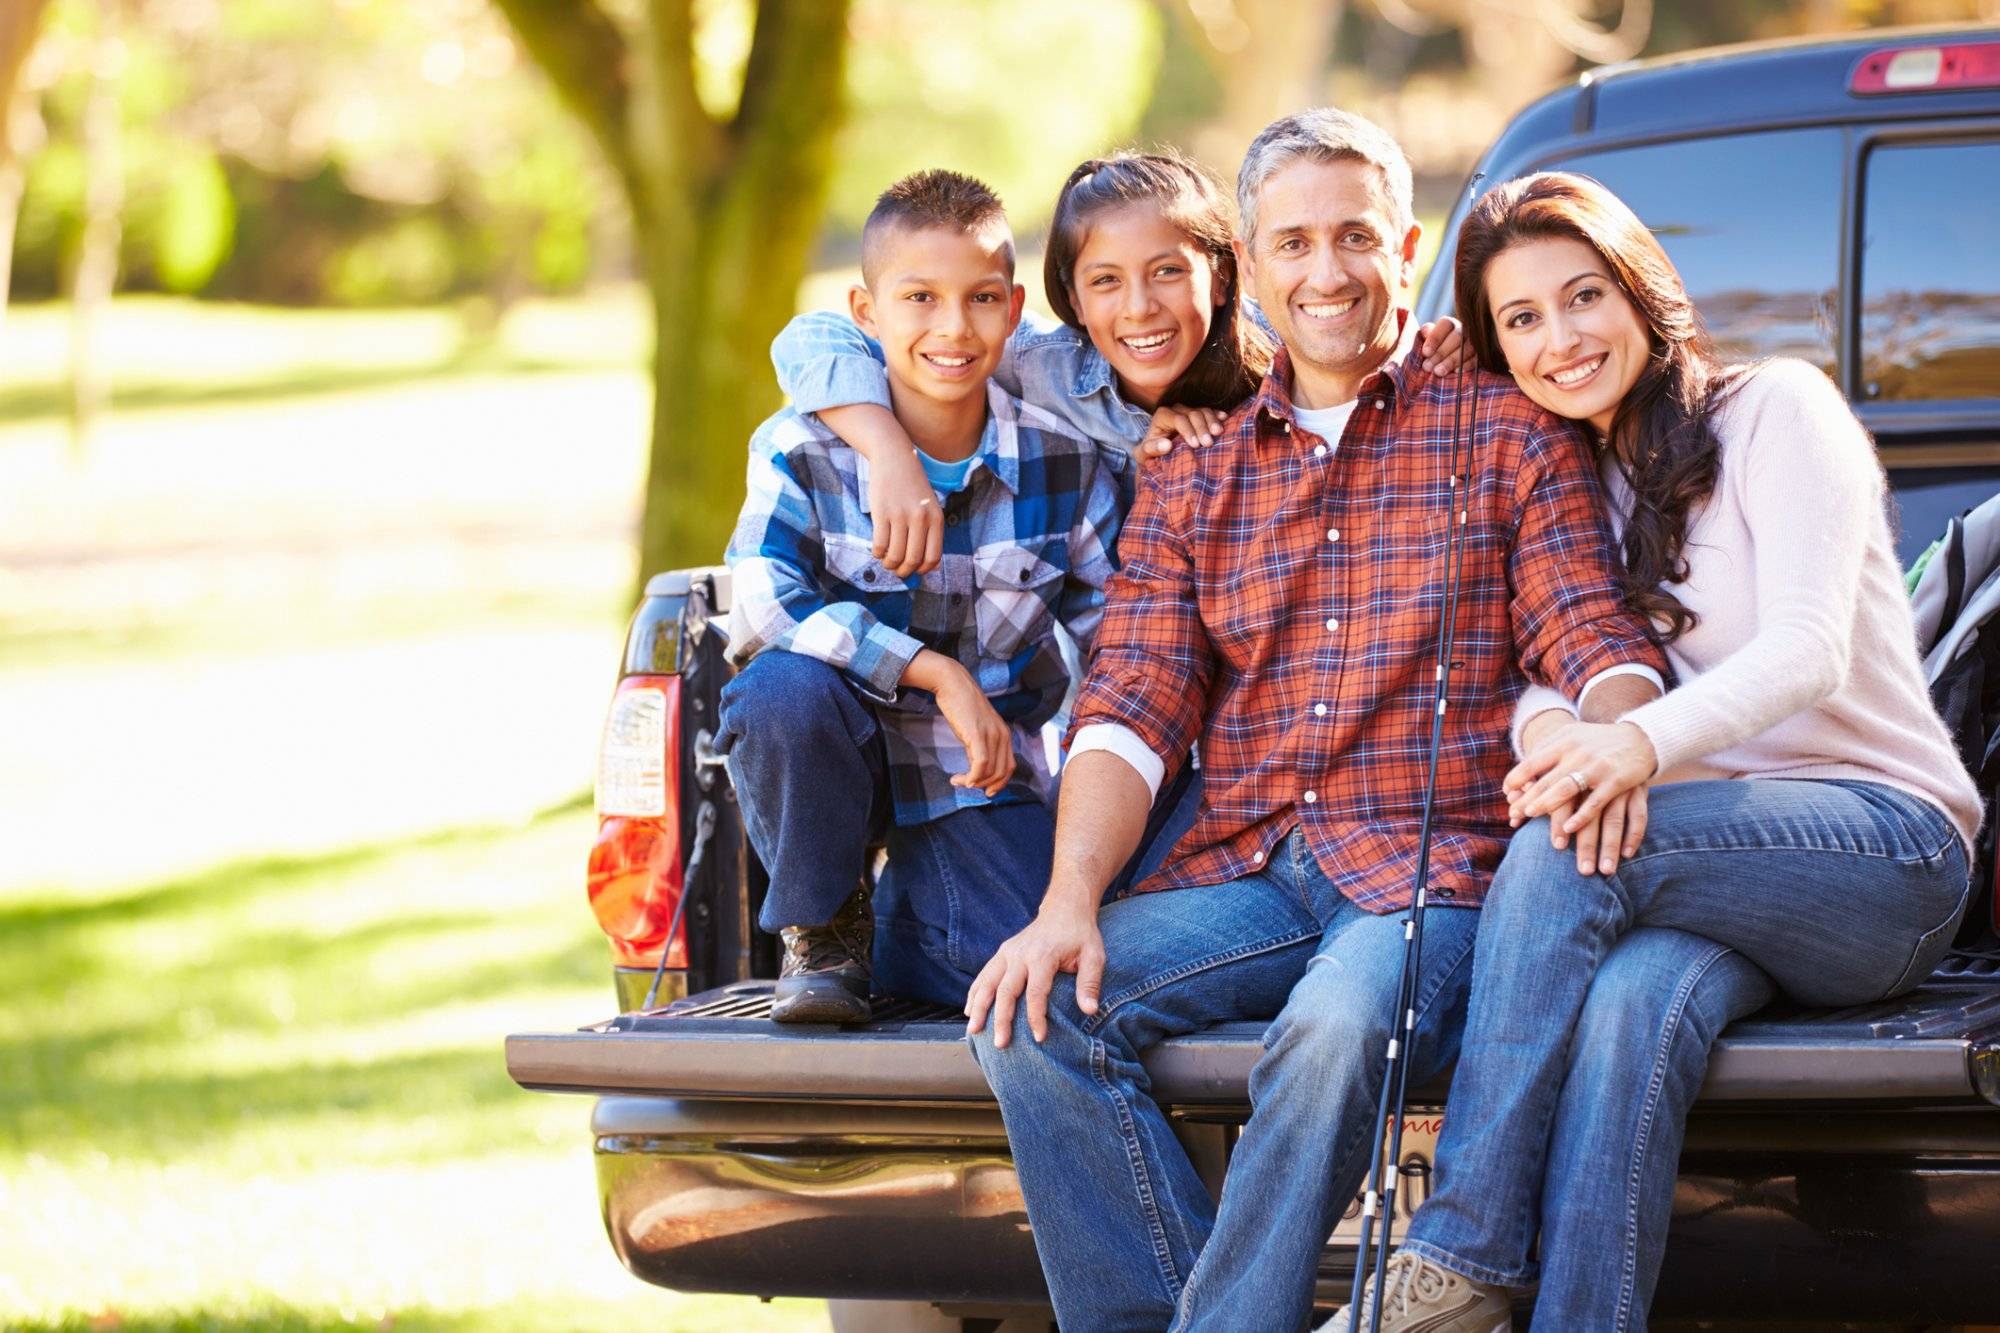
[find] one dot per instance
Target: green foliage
(372, 151)
(1015, 92)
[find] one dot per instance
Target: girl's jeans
(1595, 999)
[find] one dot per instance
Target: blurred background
(356, 360)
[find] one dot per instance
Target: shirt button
(1379, 404)
(1311, 796)
(1256, 858)
(1319, 451)
(1319, 710)
(1285, 427)
(1333, 534)
(1332, 624)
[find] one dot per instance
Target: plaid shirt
(1279, 601)
(1027, 544)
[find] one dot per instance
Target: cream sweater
(1804, 662)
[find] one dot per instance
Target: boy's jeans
(805, 753)
(1597, 997)
(1119, 1215)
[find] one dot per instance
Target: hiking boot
(824, 976)
(1426, 1298)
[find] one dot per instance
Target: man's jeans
(1596, 999)
(1119, 1215)
(805, 753)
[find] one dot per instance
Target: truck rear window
(1930, 271)
(1753, 223)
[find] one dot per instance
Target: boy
(907, 711)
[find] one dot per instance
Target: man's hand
(1061, 938)
(1193, 426)
(1442, 347)
(909, 526)
(988, 740)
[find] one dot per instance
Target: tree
(724, 211)
(19, 21)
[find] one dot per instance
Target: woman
(1154, 341)
(1793, 813)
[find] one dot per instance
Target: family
(1688, 761)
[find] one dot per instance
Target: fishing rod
(1380, 1199)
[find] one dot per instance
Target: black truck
(1835, 200)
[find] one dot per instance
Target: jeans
(1125, 1229)
(1596, 998)
(804, 751)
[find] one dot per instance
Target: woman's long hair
(1234, 358)
(1662, 436)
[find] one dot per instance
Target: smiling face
(1146, 294)
(941, 303)
(1573, 340)
(1330, 266)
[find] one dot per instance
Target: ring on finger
(1582, 782)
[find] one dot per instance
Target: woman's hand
(1193, 426)
(1441, 346)
(1586, 764)
(909, 526)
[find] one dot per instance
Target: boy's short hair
(945, 199)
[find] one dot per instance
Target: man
(1279, 601)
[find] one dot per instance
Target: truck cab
(1833, 200)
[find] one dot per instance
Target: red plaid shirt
(1279, 601)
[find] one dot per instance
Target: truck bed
(1937, 1046)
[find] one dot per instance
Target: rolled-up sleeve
(1568, 611)
(1152, 664)
(824, 360)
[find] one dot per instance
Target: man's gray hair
(1324, 134)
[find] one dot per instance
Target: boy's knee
(787, 694)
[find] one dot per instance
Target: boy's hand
(988, 741)
(1441, 346)
(1193, 426)
(909, 526)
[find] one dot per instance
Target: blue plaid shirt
(1027, 545)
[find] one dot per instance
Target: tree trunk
(103, 204)
(724, 263)
(724, 213)
(20, 20)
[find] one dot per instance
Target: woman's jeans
(1596, 998)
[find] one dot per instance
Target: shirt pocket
(1014, 593)
(852, 568)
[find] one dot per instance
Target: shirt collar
(1395, 379)
(999, 450)
(1093, 374)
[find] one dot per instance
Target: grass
(271, 1096)
(244, 1085)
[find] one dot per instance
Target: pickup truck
(1835, 200)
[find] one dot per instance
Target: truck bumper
(1890, 1214)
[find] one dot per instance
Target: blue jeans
(804, 751)
(1124, 1226)
(1596, 998)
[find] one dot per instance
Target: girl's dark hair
(1662, 436)
(1236, 355)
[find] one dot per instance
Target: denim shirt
(823, 360)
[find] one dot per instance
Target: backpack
(1955, 595)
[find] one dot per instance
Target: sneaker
(824, 977)
(1427, 1298)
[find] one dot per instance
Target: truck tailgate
(1938, 1045)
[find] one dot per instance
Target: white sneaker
(1426, 1298)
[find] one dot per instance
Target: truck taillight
(635, 866)
(1924, 69)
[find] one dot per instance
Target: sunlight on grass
(273, 1096)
